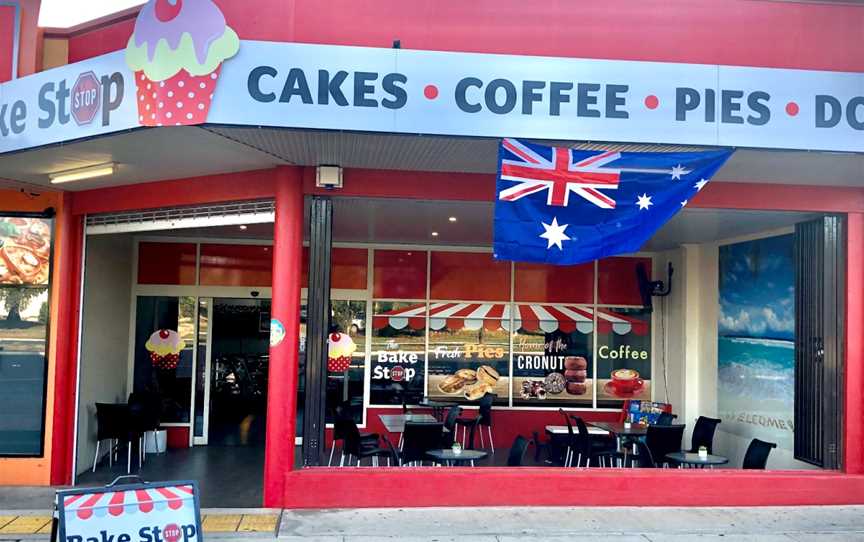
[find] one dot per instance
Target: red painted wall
(7, 40)
(804, 35)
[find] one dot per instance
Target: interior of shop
(183, 315)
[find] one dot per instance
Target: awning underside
(527, 317)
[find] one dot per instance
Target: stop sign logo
(86, 97)
(397, 373)
(171, 532)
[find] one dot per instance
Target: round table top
(446, 454)
(694, 459)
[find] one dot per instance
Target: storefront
(303, 195)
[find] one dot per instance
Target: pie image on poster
(25, 250)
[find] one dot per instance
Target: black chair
(756, 457)
(356, 446)
(642, 458)
(418, 438)
(592, 450)
(449, 436)
(517, 451)
(115, 424)
(573, 443)
(345, 429)
(345, 425)
(540, 447)
(662, 440)
(146, 411)
(484, 418)
(703, 434)
(666, 418)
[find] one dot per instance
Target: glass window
(623, 356)
(398, 361)
(468, 359)
(553, 369)
(164, 340)
(348, 318)
(23, 338)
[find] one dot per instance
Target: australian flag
(564, 206)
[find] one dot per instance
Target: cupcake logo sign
(176, 53)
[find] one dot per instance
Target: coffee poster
(624, 362)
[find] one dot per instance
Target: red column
(284, 362)
(67, 281)
(853, 452)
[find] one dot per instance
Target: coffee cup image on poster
(25, 251)
(624, 361)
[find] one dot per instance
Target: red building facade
(738, 33)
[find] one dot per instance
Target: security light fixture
(80, 174)
(328, 177)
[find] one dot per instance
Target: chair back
(452, 415)
(664, 439)
(517, 451)
(392, 452)
(350, 434)
(419, 438)
(112, 421)
(756, 457)
(643, 457)
(583, 440)
(703, 434)
(472, 431)
(485, 413)
(666, 418)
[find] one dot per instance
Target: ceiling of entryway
(170, 153)
(412, 222)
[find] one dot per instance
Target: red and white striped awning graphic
(117, 503)
(527, 316)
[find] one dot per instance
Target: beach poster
(756, 350)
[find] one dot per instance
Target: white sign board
(461, 94)
(150, 512)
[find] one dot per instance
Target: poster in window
(553, 368)
(25, 266)
(398, 363)
(756, 348)
(25, 251)
(467, 360)
(623, 355)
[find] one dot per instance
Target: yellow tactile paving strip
(211, 523)
(25, 524)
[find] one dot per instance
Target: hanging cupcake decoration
(339, 350)
(164, 346)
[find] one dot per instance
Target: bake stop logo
(171, 532)
(176, 53)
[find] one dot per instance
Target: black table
(438, 407)
(620, 430)
(693, 460)
(446, 455)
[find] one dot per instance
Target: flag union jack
(568, 206)
(560, 176)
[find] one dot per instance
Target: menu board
(25, 251)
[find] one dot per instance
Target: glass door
(164, 359)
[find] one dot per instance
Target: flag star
(683, 203)
(554, 234)
(644, 202)
(679, 170)
(702, 182)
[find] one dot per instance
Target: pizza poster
(25, 250)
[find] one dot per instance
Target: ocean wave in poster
(751, 368)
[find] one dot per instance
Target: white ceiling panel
(170, 153)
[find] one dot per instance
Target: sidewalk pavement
(475, 524)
